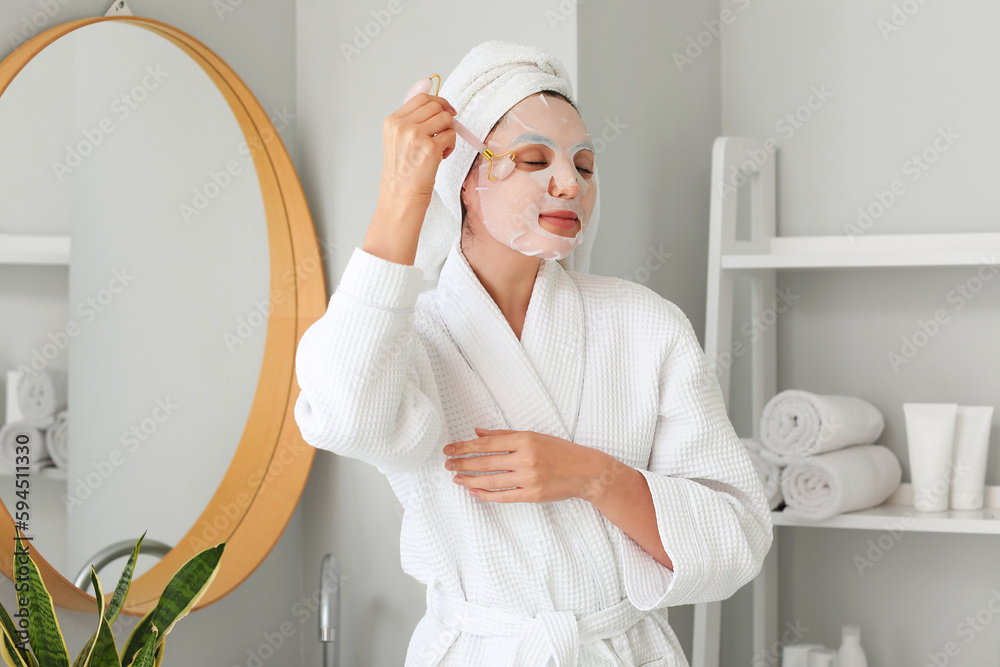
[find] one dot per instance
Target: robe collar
(536, 381)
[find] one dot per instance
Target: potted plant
(145, 644)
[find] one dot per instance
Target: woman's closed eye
(584, 170)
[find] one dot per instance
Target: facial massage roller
(504, 167)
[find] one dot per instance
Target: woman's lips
(561, 219)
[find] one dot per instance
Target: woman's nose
(563, 182)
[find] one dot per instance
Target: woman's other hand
(544, 468)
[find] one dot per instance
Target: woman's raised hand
(415, 138)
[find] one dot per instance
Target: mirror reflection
(115, 138)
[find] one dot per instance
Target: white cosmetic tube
(930, 437)
(972, 444)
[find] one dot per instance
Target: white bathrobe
(382, 380)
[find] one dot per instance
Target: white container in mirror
(851, 654)
(797, 655)
(823, 657)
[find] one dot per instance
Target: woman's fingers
(428, 110)
(445, 141)
(414, 106)
(439, 122)
(486, 463)
(501, 480)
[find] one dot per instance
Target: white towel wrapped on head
(38, 455)
(40, 395)
(849, 479)
(770, 473)
(796, 424)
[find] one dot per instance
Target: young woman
(557, 440)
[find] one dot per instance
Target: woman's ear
(467, 186)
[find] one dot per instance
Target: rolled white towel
(38, 455)
(796, 424)
(770, 473)
(56, 440)
(847, 480)
(40, 395)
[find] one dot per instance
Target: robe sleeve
(711, 512)
(367, 388)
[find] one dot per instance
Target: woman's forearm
(395, 230)
(620, 493)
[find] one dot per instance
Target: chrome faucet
(329, 611)
(117, 550)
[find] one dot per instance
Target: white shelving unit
(897, 510)
(51, 249)
(36, 249)
(760, 257)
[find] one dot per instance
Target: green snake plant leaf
(15, 655)
(144, 657)
(44, 633)
(161, 648)
(83, 659)
(104, 651)
(124, 583)
(182, 592)
(114, 606)
(88, 648)
(137, 637)
(11, 655)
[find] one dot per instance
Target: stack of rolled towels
(817, 455)
(37, 412)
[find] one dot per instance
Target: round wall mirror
(193, 270)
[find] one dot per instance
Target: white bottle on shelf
(851, 654)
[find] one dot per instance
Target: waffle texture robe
(390, 374)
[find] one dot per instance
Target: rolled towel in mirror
(40, 395)
(796, 424)
(38, 455)
(56, 440)
(769, 473)
(847, 480)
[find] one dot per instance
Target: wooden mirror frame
(265, 479)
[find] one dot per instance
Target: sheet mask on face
(554, 173)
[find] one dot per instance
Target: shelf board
(897, 513)
(48, 472)
(874, 251)
(54, 473)
(52, 249)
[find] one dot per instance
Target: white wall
(33, 302)
(888, 94)
(342, 101)
(655, 173)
